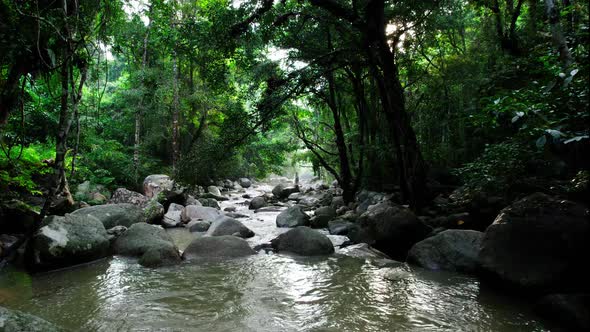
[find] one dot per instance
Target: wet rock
(154, 184)
(172, 217)
(217, 246)
(214, 190)
(194, 212)
(322, 216)
(18, 321)
(292, 217)
(66, 241)
(191, 200)
(390, 228)
(569, 312)
(229, 226)
(230, 209)
(367, 198)
(257, 203)
(122, 195)
(450, 250)
(536, 243)
(236, 215)
(314, 198)
(145, 238)
(246, 196)
(303, 241)
(210, 202)
(362, 250)
(294, 196)
(112, 215)
(340, 226)
(245, 182)
(198, 226)
(337, 202)
(282, 191)
(153, 211)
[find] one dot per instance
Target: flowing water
(265, 292)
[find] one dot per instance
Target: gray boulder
(172, 217)
(282, 191)
(322, 216)
(217, 246)
(536, 244)
(337, 202)
(362, 250)
(112, 215)
(153, 211)
(391, 229)
(314, 198)
(340, 226)
(198, 226)
(292, 217)
(245, 182)
(144, 238)
(450, 250)
(214, 190)
(122, 195)
(195, 212)
(303, 241)
(154, 184)
(66, 241)
(229, 226)
(18, 321)
(210, 202)
(257, 203)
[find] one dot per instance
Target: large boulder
(112, 215)
(150, 241)
(450, 250)
(362, 250)
(340, 226)
(172, 217)
(167, 197)
(292, 217)
(153, 211)
(282, 191)
(122, 195)
(257, 203)
(217, 246)
(198, 226)
(571, 312)
(245, 182)
(229, 226)
(303, 241)
(18, 321)
(154, 184)
(322, 216)
(390, 228)
(311, 199)
(195, 212)
(537, 244)
(210, 202)
(68, 240)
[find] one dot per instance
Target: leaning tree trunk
(412, 166)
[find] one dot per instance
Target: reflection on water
(262, 293)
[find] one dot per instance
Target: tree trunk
(412, 167)
(175, 113)
(139, 111)
(558, 37)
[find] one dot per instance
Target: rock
(367, 198)
(568, 311)
(362, 250)
(172, 217)
(236, 215)
(112, 215)
(294, 196)
(536, 244)
(303, 241)
(66, 241)
(210, 202)
(313, 198)
(230, 209)
(145, 238)
(115, 232)
(482, 207)
(153, 212)
(281, 191)
(191, 200)
(322, 216)
(195, 212)
(340, 226)
(245, 182)
(154, 184)
(391, 229)
(257, 203)
(246, 196)
(450, 250)
(18, 321)
(292, 217)
(122, 195)
(98, 198)
(167, 197)
(337, 202)
(198, 226)
(16, 217)
(217, 246)
(229, 226)
(214, 190)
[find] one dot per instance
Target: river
(264, 292)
